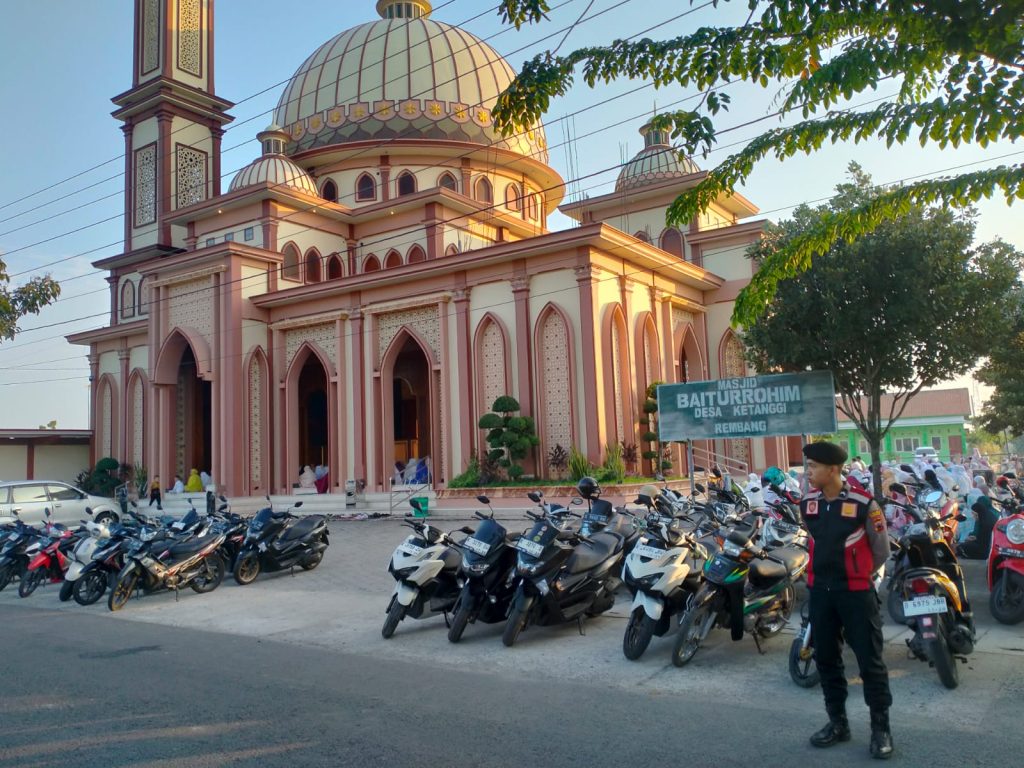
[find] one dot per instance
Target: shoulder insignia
(858, 496)
(877, 519)
(849, 508)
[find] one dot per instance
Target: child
(154, 493)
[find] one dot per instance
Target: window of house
(406, 184)
(483, 190)
(312, 266)
(643, 236)
(210, 241)
(334, 268)
(371, 264)
(532, 207)
(229, 237)
(290, 264)
(863, 448)
(127, 299)
(330, 191)
(907, 444)
(447, 181)
(415, 255)
(392, 260)
(142, 297)
(672, 242)
(249, 234)
(366, 188)
(937, 443)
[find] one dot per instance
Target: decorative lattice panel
(423, 320)
(255, 423)
(492, 364)
(733, 360)
(680, 317)
(618, 383)
(138, 419)
(323, 335)
(179, 424)
(554, 373)
(191, 175)
(190, 305)
(150, 35)
(145, 185)
(651, 355)
(190, 56)
(107, 420)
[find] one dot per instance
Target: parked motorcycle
(426, 571)
(13, 556)
(82, 555)
(488, 568)
(48, 557)
(1006, 568)
(273, 542)
(746, 589)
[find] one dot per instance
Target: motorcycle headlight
(474, 567)
(1015, 531)
(529, 568)
(648, 582)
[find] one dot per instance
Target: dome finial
(403, 9)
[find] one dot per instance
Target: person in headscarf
(207, 481)
(978, 489)
(195, 483)
(308, 477)
(976, 546)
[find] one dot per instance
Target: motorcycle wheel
(894, 604)
(639, 630)
(1006, 602)
(459, 622)
(247, 568)
(691, 632)
(30, 581)
(788, 599)
(312, 561)
(66, 590)
(90, 588)
(395, 614)
(5, 576)
(942, 657)
(211, 577)
(514, 626)
(122, 591)
(803, 670)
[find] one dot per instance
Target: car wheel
(106, 517)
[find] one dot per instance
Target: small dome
(276, 170)
(657, 161)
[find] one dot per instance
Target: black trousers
(837, 615)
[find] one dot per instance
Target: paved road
(292, 671)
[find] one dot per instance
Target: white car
(30, 499)
(927, 453)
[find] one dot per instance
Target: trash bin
(350, 493)
(421, 507)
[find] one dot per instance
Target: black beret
(826, 453)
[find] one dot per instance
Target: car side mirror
(88, 510)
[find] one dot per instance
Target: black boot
(837, 730)
(881, 737)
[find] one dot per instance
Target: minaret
(173, 121)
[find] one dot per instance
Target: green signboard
(755, 406)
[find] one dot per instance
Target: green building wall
(850, 438)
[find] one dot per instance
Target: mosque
(365, 289)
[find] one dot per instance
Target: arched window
(366, 188)
(532, 207)
(290, 264)
(392, 260)
(406, 184)
(329, 191)
(513, 198)
(483, 190)
(447, 181)
(672, 242)
(451, 250)
(642, 235)
(312, 266)
(335, 270)
(142, 297)
(371, 264)
(127, 299)
(416, 254)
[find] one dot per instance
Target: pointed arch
(448, 181)
(451, 250)
(671, 241)
(136, 417)
(647, 354)
(619, 426)
(169, 358)
(483, 190)
(415, 255)
(142, 296)
(107, 424)
(393, 259)
(335, 267)
(329, 191)
(555, 393)
(405, 184)
(298, 419)
(290, 268)
(532, 207)
(366, 188)
(257, 409)
(491, 362)
(371, 264)
(691, 365)
(513, 197)
(127, 299)
(313, 266)
(642, 236)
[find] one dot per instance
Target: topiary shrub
(510, 437)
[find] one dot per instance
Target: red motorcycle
(1006, 568)
(49, 559)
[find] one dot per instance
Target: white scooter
(82, 555)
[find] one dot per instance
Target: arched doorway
(410, 422)
(193, 417)
(314, 434)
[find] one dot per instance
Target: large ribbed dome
(400, 78)
(657, 161)
(276, 170)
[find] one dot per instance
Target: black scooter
(272, 543)
(561, 575)
(488, 567)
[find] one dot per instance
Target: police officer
(848, 544)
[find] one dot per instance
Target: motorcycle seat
(794, 557)
(302, 528)
(191, 546)
(588, 554)
(763, 571)
(451, 559)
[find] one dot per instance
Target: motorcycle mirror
(467, 529)
(933, 498)
(223, 498)
(297, 504)
(415, 504)
(483, 499)
(535, 496)
(700, 487)
(576, 500)
(267, 497)
(961, 518)
(698, 469)
(716, 472)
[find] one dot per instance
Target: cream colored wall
(239, 232)
(496, 298)
(254, 334)
(456, 424)
(718, 318)
(110, 364)
(464, 240)
(729, 262)
(348, 375)
(255, 281)
(14, 462)
(186, 77)
(306, 238)
(60, 462)
(138, 358)
(714, 218)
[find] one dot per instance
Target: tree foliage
(511, 437)
(1004, 370)
(25, 299)
(959, 65)
(900, 309)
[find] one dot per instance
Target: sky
(61, 169)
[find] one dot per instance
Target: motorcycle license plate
(475, 545)
(652, 553)
(920, 606)
(410, 549)
(530, 547)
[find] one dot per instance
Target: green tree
(903, 308)
(511, 437)
(28, 298)
(959, 66)
(1004, 370)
